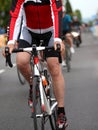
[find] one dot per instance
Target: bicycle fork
(45, 104)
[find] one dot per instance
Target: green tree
(68, 8)
(70, 11)
(77, 13)
(4, 12)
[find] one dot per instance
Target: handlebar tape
(8, 57)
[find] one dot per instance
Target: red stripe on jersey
(56, 25)
(14, 15)
(57, 18)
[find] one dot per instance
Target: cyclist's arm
(16, 12)
(57, 12)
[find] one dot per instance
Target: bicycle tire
(77, 43)
(20, 77)
(53, 116)
(38, 122)
(46, 121)
(68, 59)
(53, 119)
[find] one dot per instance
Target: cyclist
(76, 26)
(66, 24)
(37, 18)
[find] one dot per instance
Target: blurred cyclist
(76, 26)
(66, 24)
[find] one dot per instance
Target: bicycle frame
(36, 72)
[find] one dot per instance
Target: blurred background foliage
(69, 10)
(4, 12)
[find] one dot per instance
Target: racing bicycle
(44, 108)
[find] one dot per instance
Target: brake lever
(8, 57)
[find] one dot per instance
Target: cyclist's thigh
(53, 65)
(68, 35)
(52, 56)
(23, 57)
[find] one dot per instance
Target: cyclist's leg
(63, 50)
(63, 54)
(70, 41)
(58, 81)
(23, 58)
(56, 73)
(23, 64)
(58, 86)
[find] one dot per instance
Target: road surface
(81, 92)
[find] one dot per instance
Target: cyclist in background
(76, 26)
(38, 18)
(66, 27)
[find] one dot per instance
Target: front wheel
(41, 119)
(53, 119)
(20, 77)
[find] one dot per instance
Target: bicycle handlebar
(29, 49)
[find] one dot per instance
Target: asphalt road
(81, 91)
(82, 86)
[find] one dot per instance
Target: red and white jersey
(39, 16)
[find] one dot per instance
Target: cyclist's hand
(11, 47)
(58, 41)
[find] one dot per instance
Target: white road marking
(3, 70)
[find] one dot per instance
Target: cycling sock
(61, 110)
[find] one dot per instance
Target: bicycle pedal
(38, 115)
(53, 99)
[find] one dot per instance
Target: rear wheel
(77, 43)
(68, 58)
